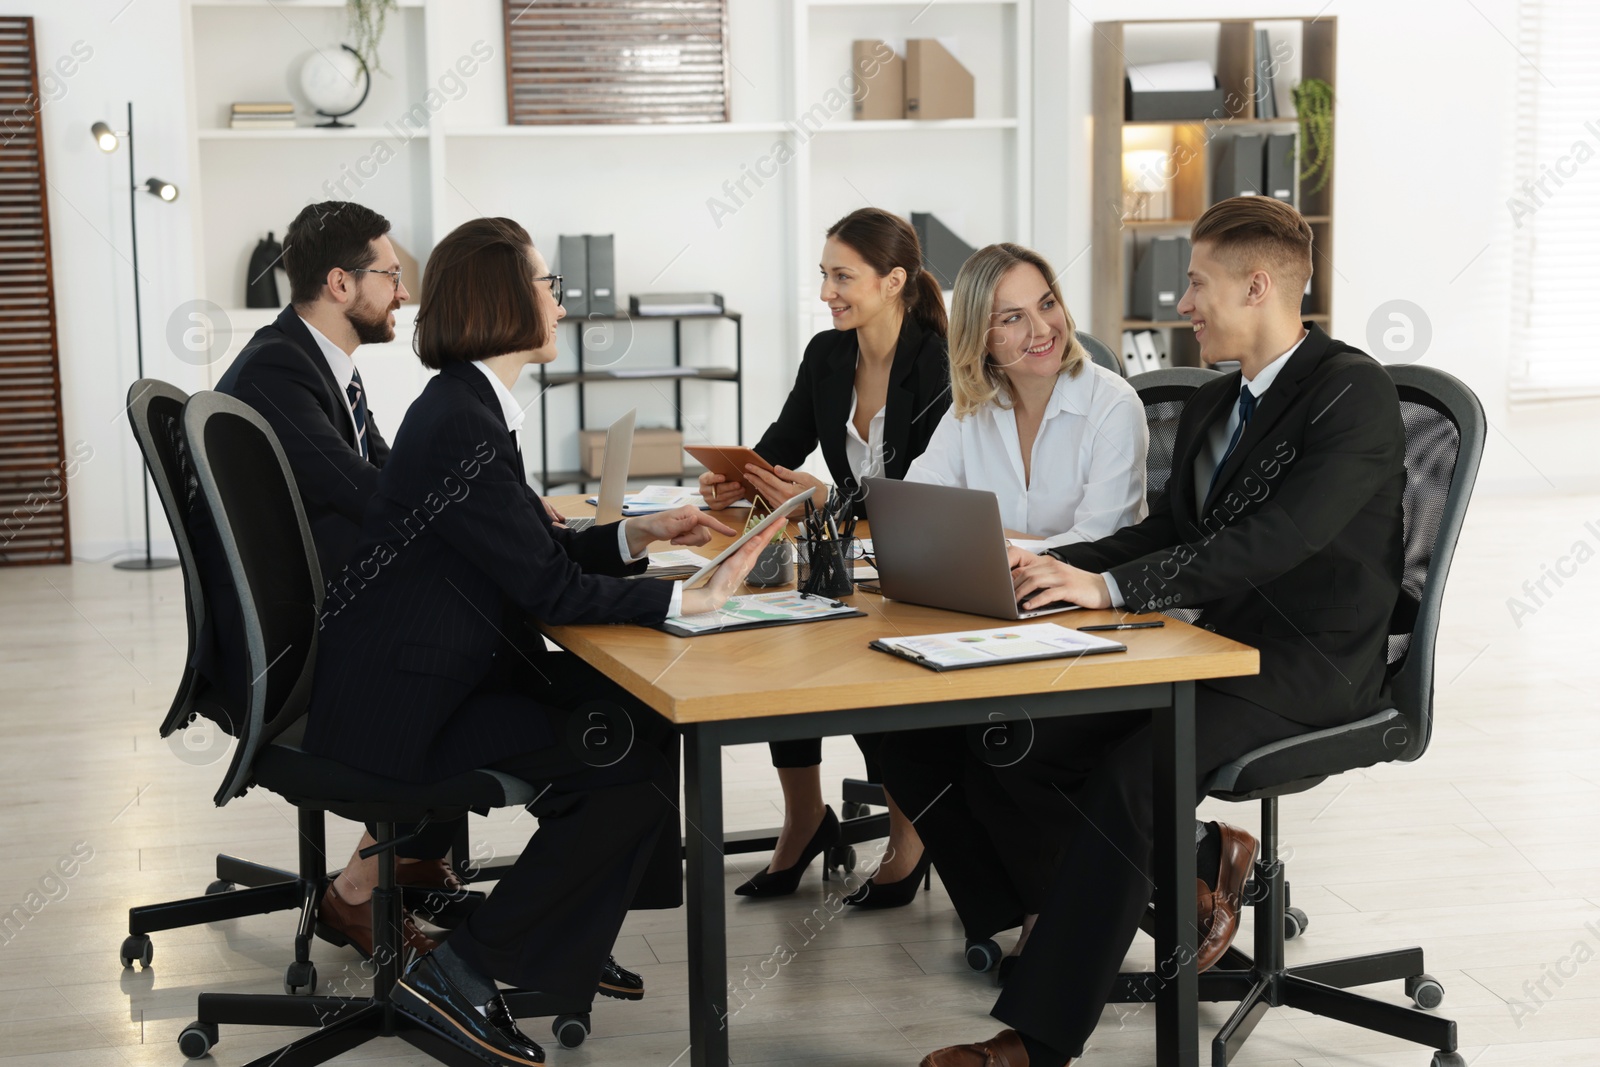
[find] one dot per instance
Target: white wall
(1423, 157)
(1426, 117)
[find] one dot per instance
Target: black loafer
(619, 982)
(425, 994)
(500, 1018)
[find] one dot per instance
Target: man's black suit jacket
(284, 376)
(1298, 550)
(457, 551)
(818, 406)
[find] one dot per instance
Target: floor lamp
(107, 139)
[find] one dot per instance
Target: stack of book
(262, 117)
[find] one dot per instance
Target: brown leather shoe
(428, 874)
(1002, 1050)
(1219, 924)
(351, 924)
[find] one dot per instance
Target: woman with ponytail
(870, 392)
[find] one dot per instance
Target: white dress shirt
(865, 457)
(1216, 446)
(343, 368)
(1086, 476)
(514, 416)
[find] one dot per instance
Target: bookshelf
(1231, 45)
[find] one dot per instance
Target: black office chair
(1101, 353)
(261, 533)
(155, 410)
(1445, 429)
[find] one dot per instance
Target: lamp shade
(104, 136)
(165, 190)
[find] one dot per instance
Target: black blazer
(283, 375)
(819, 404)
(457, 551)
(1298, 551)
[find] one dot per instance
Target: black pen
(1124, 626)
(825, 600)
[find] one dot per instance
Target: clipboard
(966, 649)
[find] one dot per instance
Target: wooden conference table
(820, 679)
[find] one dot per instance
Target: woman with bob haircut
(432, 667)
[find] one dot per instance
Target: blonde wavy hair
(975, 379)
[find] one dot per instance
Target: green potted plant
(367, 19)
(1313, 103)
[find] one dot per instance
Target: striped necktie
(1247, 407)
(358, 408)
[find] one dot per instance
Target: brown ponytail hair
(886, 241)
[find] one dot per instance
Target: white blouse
(1087, 464)
(865, 457)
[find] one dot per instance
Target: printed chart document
(654, 498)
(759, 609)
(1004, 644)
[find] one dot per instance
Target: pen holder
(825, 568)
(775, 566)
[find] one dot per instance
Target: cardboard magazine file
(880, 81)
(937, 86)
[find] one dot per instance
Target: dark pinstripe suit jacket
(421, 626)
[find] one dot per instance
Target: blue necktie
(358, 408)
(1247, 407)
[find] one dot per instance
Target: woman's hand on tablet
(784, 483)
(718, 491)
(725, 580)
(687, 525)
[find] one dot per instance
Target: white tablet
(778, 515)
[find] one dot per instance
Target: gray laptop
(613, 475)
(943, 547)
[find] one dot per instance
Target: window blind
(1555, 203)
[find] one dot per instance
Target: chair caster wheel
(851, 810)
(300, 979)
(137, 948)
(843, 857)
(1427, 993)
(221, 885)
(1448, 1059)
(1294, 923)
(197, 1039)
(570, 1030)
(983, 956)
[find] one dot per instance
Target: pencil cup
(825, 567)
(775, 566)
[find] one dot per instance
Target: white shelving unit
(653, 186)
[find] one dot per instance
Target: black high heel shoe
(782, 883)
(892, 894)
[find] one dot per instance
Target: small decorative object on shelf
(1313, 103)
(1144, 185)
(367, 19)
(336, 83)
(663, 304)
(261, 289)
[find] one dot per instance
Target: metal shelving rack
(549, 379)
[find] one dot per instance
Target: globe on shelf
(336, 82)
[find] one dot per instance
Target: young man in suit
(1282, 522)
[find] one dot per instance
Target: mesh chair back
(261, 526)
(155, 411)
(1164, 393)
(1101, 353)
(1445, 428)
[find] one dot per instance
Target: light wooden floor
(1487, 853)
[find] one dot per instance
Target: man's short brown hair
(1259, 232)
(477, 296)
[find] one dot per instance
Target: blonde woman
(1060, 440)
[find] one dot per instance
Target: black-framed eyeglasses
(395, 274)
(557, 286)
